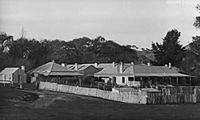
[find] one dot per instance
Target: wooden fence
(127, 97)
(175, 95)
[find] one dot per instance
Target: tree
(5, 42)
(170, 51)
(197, 21)
(195, 45)
(30, 53)
(196, 40)
(191, 61)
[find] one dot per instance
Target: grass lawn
(21, 105)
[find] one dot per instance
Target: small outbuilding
(13, 75)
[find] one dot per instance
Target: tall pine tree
(170, 51)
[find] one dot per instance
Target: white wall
(119, 80)
(7, 77)
(126, 82)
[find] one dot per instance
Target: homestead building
(119, 74)
(53, 72)
(129, 74)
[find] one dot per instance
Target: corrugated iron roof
(80, 66)
(86, 69)
(8, 70)
(107, 69)
(139, 70)
(52, 68)
(68, 73)
(90, 70)
(144, 70)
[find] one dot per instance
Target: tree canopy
(191, 61)
(197, 20)
(32, 53)
(170, 51)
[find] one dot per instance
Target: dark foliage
(170, 51)
(145, 56)
(197, 20)
(191, 61)
(32, 53)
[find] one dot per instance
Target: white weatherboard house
(142, 75)
(13, 75)
(121, 73)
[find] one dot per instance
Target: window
(130, 79)
(123, 79)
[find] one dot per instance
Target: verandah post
(142, 85)
(177, 80)
(190, 80)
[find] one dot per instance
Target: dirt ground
(45, 105)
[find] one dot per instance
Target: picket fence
(175, 95)
(126, 97)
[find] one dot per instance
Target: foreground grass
(52, 105)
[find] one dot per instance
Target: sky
(127, 22)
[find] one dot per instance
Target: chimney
(132, 63)
(113, 63)
(23, 68)
(76, 66)
(96, 64)
(63, 64)
(121, 67)
(170, 65)
(148, 64)
(133, 66)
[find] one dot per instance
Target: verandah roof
(141, 71)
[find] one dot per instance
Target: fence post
(195, 95)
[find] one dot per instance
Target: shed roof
(9, 70)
